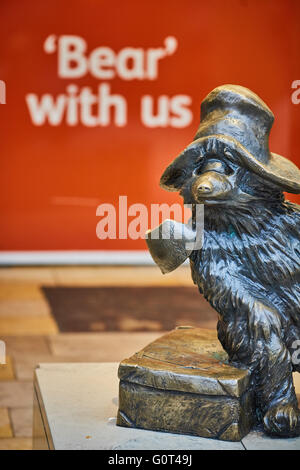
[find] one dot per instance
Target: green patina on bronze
(182, 383)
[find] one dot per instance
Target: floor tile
(16, 394)
(5, 426)
(22, 421)
(26, 345)
(125, 276)
(27, 275)
(24, 307)
(7, 370)
(20, 291)
(16, 325)
(100, 346)
(16, 443)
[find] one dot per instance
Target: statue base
(182, 383)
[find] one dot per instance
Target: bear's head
(229, 160)
(213, 174)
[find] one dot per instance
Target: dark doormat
(128, 308)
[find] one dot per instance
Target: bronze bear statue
(249, 265)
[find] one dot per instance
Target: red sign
(101, 96)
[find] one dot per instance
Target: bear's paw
(283, 420)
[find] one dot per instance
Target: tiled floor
(31, 335)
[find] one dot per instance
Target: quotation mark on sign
(2, 92)
(50, 44)
(170, 44)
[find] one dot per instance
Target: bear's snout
(204, 188)
(211, 185)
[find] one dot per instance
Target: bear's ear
(181, 169)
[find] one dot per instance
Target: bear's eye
(213, 165)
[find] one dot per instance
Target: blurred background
(96, 99)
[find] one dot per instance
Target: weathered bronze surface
(183, 383)
(249, 265)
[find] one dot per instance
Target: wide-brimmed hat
(239, 120)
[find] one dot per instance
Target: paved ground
(31, 334)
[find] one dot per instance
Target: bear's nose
(204, 188)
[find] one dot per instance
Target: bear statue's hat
(241, 121)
